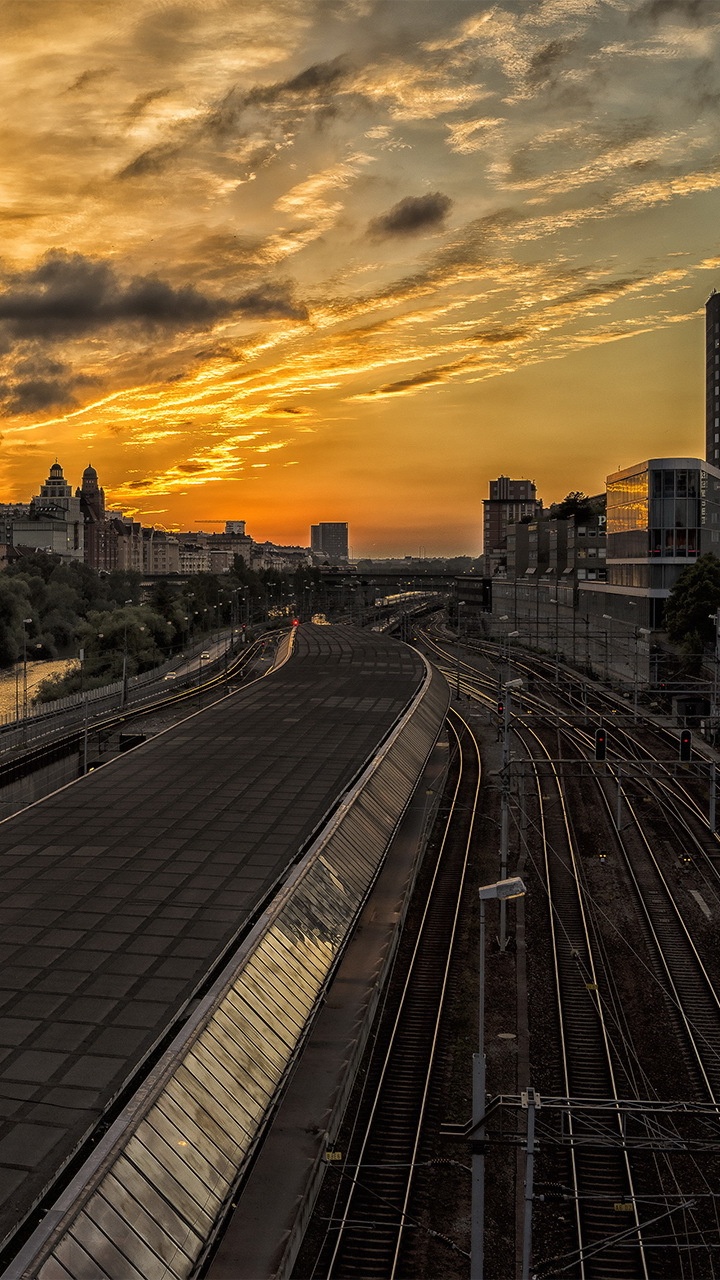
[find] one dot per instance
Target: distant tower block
(330, 538)
(509, 502)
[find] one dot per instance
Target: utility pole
(530, 1100)
(505, 802)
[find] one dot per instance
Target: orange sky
(303, 261)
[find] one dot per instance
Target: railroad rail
(372, 1222)
(599, 1051)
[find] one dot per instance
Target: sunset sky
(300, 260)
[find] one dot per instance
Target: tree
(692, 604)
(576, 503)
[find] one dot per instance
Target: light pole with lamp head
(124, 689)
(509, 688)
(26, 623)
(715, 617)
(502, 890)
(460, 604)
(637, 633)
(556, 601)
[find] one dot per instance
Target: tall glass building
(661, 515)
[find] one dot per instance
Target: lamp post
(637, 633)
(503, 890)
(715, 617)
(556, 601)
(508, 689)
(124, 689)
(460, 604)
(511, 635)
(26, 623)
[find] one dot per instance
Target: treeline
(54, 609)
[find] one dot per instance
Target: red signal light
(296, 622)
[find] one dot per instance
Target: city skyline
(352, 261)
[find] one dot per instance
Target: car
(204, 655)
(171, 675)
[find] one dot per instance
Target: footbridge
(170, 925)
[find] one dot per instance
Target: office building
(661, 515)
(329, 539)
(712, 379)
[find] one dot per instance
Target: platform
(123, 890)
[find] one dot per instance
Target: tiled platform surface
(119, 892)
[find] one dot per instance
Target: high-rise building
(510, 501)
(712, 379)
(330, 538)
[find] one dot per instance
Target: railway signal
(686, 744)
(600, 744)
(500, 707)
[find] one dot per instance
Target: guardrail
(42, 718)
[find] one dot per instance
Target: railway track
(373, 1219)
(597, 1050)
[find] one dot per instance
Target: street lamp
(556, 601)
(124, 689)
(460, 604)
(511, 635)
(510, 687)
(26, 622)
(503, 890)
(637, 633)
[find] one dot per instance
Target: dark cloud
(544, 63)
(36, 383)
(426, 379)
(88, 77)
(35, 395)
(151, 161)
(412, 216)
(68, 294)
(495, 337)
(144, 100)
(603, 289)
(311, 84)
(224, 121)
(694, 12)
